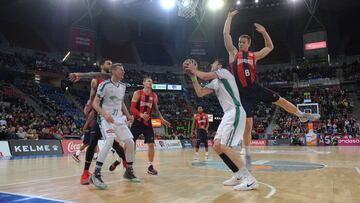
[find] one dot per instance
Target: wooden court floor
(286, 174)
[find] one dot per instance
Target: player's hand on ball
(259, 28)
(190, 66)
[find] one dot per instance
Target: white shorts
(118, 130)
(231, 129)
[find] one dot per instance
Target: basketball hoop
(187, 8)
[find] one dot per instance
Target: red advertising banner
(258, 143)
(315, 45)
(82, 40)
(71, 146)
(349, 142)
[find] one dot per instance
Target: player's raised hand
(232, 13)
(259, 28)
(74, 77)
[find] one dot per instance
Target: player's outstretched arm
(268, 42)
(75, 77)
(200, 91)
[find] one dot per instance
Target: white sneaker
(232, 181)
(247, 183)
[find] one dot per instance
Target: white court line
(272, 192)
(33, 196)
(358, 170)
(269, 195)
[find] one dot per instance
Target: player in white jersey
(231, 129)
(109, 103)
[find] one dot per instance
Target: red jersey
(243, 69)
(201, 120)
(98, 81)
(145, 104)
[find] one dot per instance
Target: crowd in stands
(62, 117)
(335, 109)
(21, 121)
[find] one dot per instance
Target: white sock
(241, 173)
(77, 152)
(95, 154)
(150, 163)
(299, 113)
(206, 153)
(247, 150)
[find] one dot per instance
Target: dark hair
(220, 61)
(246, 37)
(103, 60)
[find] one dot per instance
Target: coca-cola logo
(72, 147)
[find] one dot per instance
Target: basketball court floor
(286, 174)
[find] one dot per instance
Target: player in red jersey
(242, 66)
(201, 123)
(95, 134)
(142, 103)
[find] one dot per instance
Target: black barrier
(186, 143)
(35, 147)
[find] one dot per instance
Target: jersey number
(115, 112)
(247, 73)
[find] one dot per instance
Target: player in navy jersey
(242, 66)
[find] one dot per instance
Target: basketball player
(242, 66)
(110, 106)
(231, 129)
(201, 124)
(142, 103)
(95, 134)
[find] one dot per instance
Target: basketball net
(187, 8)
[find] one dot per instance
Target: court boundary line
(34, 196)
(358, 170)
(272, 192)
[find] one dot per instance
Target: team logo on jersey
(113, 98)
(251, 62)
(148, 104)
